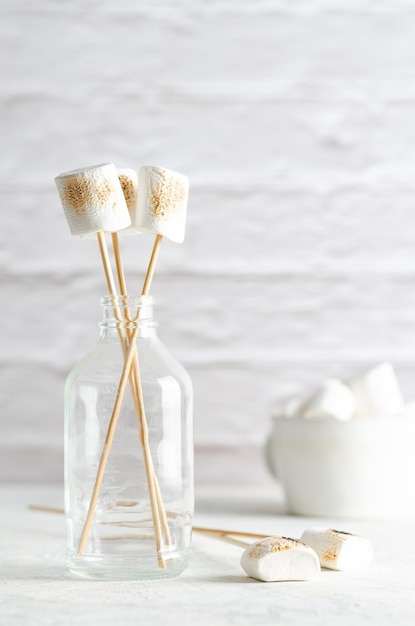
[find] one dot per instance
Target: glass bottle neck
(129, 313)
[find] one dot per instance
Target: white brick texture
(295, 124)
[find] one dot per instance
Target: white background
(295, 122)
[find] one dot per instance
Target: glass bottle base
(110, 567)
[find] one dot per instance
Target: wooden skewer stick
(234, 542)
(106, 450)
(46, 509)
(116, 411)
(144, 291)
(135, 379)
(157, 507)
(223, 535)
(138, 396)
(106, 264)
(152, 265)
(118, 264)
(226, 533)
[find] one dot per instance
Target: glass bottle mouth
(128, 311)
(131, 301)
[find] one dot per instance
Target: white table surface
(35, 589)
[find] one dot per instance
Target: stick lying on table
(216, 533)
(226, 533)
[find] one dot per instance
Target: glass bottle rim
(130, 300)
(127, 311)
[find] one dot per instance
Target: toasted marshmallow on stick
(334, 400)
(377, 392)
(278, 559)
(129, 184)
(93, 200)
(337, 549)
(161, 203)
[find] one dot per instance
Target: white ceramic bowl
(362, 468)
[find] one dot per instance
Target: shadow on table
(33, 571)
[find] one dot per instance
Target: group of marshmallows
(103, 198)
(376, 393)
(277, 559)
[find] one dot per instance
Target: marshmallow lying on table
(280, 559)
(337, 549)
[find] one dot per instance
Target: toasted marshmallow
(129, 183)
(93, 200)
(377, 392)
(334, 400)
(161, 202)
(279, 558)
(337, 549)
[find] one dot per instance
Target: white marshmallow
(377, 393)
(161, 202)
(334, 400)
(279, 558)
(129, 183)
(93, 200)
(338, 550)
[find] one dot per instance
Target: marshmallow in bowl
(280, 559)
(377, 392)
(337, 549)
(334, 400)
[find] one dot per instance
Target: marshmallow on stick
(279, 559)
(338, 550)
(93, 200)
(160, 208)
(161, 203)
(129, 183)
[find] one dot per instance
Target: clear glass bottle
(128, 472)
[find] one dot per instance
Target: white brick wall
(294, 121)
